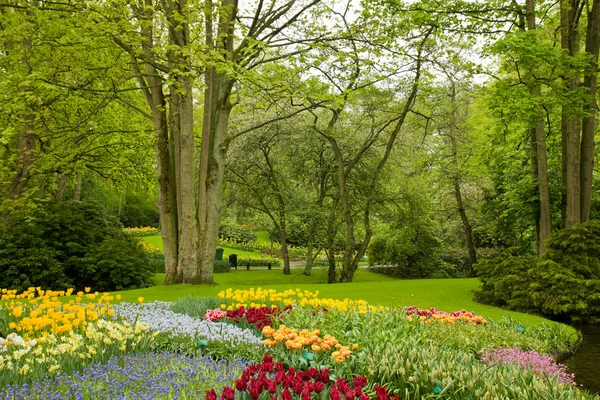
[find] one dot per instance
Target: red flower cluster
(260, 317)
(292, 384)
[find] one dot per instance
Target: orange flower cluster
(306, 339)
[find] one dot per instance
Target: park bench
(250, 263)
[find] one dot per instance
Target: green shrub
(412, 251)
(563, 285)
(71, 244)
(221, 266)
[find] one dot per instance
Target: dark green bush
(563, 285)
(71, 244)
(221, 266)
(411, 251)
(139, 211)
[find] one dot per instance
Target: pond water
(585, 364)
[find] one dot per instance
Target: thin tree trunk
(62, 185)
(284, 247)
(592, 45)
(313, 222)
(26, 157)
(331, 262)
(309, 247)
(534, 176)
(461, 207)
(77, 188)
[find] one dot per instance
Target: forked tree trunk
(217, 109)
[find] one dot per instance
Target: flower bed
(360, 351)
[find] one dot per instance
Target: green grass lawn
(443, 294)
(262, 238)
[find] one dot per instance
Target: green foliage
(139, 211)
(232, 231)
(564, 284)
(70, 244)
(411, 250)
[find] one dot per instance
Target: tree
(221, 62)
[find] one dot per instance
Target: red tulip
(228, 393)
(211, 394)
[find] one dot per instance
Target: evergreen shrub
(70, 244)
(564, 284)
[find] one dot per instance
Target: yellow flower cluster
(306, 339)
(261, 297)
(36, 313)
(450, 319)
(151, 248)
(101, 337)
(142, 231)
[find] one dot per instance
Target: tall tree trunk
(77, 188)
(536, 189)
(346, 212)
(544, 186)
(537, 125)
(592, 45)
(217, 109)
(153, 88)
(183, 119)
(212, 172)
(188, 232)
(569, 17)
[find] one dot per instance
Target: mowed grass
(443, 294)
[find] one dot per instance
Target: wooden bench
(250, 263)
